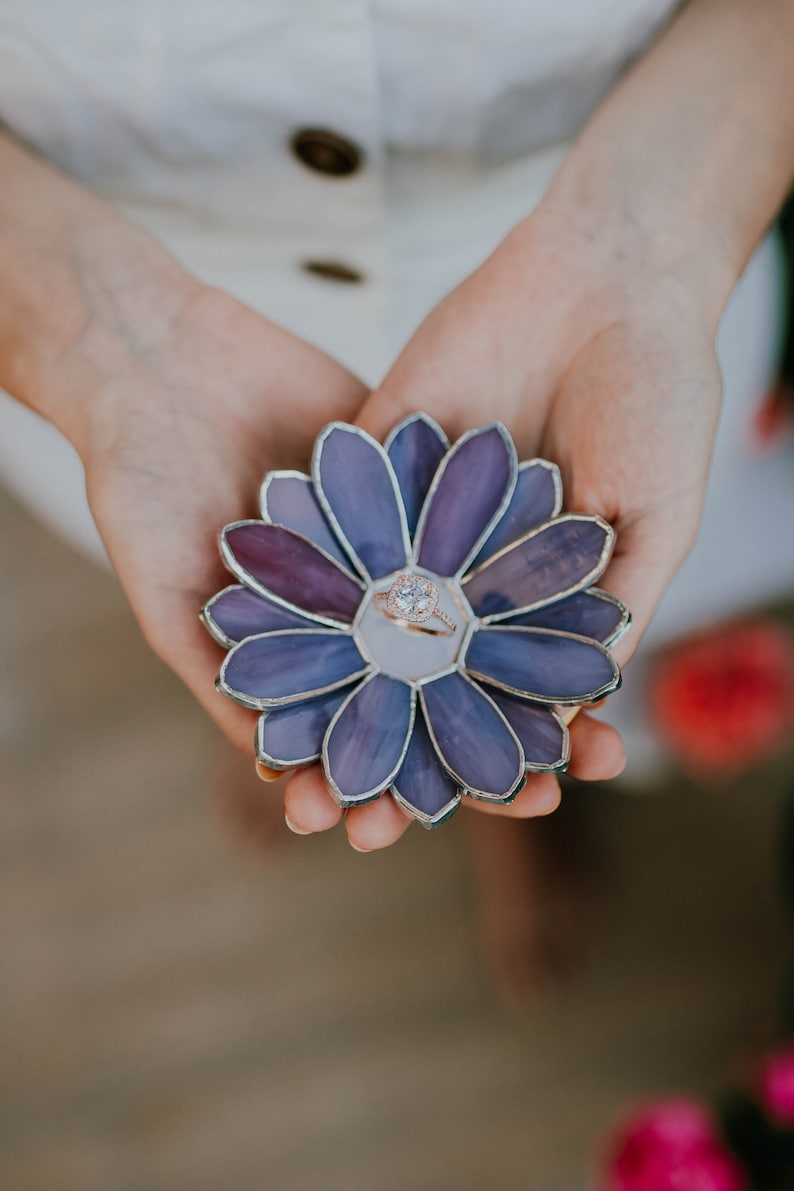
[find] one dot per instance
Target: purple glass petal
(291, 665)
(287, 498)
(472, 738)
(541, 664)
(422, 785)
(287, 566)
(556, 560)
(236, 613)
(415, 447)
(293, 735)
(543, 734)
(365, 744)
(536, 498)
(357, 488)
(470, 487)
(591, 613)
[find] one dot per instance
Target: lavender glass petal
(415, 452)
(290, 567)
(239, 613)
(291, 664)
(536, 662)
(534, 500)
(543, 736)
(471, 486)
(422, 782)
(587, 614)
(359, 488)
(366, 743)
(291, 502)
(564, 555)
(471, 737)
(295, 732)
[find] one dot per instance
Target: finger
(186, 647)
(597, 752)
(540, 796)
(308, 805)
(384, 408)
(647, 555)
(376, 825)
(236, 723)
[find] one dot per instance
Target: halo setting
(413, 599)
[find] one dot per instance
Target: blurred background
(193, 998)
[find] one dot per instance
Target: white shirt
(182, 112)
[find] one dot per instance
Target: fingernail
(292, 827)
(356, 848)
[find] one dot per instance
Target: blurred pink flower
(776, 1086)
(672, 1145)
(724, 700)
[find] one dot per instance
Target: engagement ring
(413, 600)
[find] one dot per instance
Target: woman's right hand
(177, 397)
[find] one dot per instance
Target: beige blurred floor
(179, 1014)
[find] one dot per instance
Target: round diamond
(413, 597)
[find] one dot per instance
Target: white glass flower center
(400, 631)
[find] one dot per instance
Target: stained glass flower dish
(412, 615)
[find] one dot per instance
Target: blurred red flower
(724, 700)
(672, 1145)
(776, 1086)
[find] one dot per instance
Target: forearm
(689, 159)
(84, 291)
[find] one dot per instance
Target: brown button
(326, 152)
(333, 270)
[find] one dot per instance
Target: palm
(195, 426)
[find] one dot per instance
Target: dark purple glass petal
(288, 499)
(286, 565)
(356, 486)
(237, 613)
(556, 560)
(543, 734)
(291, 665)
(365, 745)
(425, 788)
(539, 664)
(293, 735)
(536, 498)
(468, 490)
(591, 613)
(415, 447)
(472, 738)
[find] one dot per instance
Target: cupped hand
(184, 427)
(597, 354)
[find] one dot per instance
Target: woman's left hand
(597, 354)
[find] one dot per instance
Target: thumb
(383, 408)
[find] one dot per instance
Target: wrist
(632, 231)
(683, 167)
(86, 293)
(87, 320)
